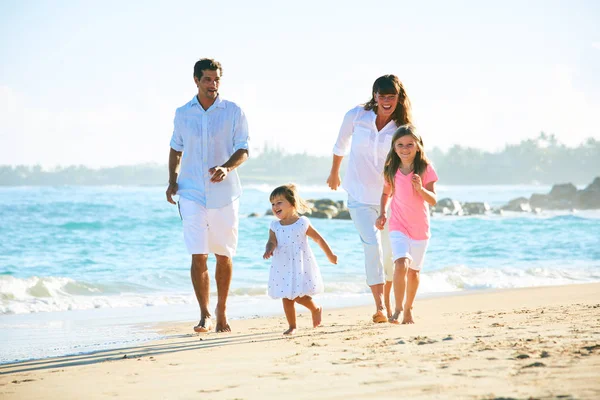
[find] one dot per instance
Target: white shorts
(209, 230)
(405, 247)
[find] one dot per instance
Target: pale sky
(97, 82)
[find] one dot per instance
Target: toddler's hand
(268, 254)
(380, 222)
(332, 258)
(416, 182)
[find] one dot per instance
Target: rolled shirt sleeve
(240, 132)
(344, 139)
(176, 139)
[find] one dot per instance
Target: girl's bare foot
(290, 331)
(316, 316)
(408, 318)
(394, 318)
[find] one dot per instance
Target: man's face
(208, 85)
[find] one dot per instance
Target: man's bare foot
(379, 317)
(408, 318)
(394, 318)
(222, 325)
(316, 316)
(204, 325)
(290, 331)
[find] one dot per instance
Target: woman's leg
(290, 314)
(364, 216)
(315, 310)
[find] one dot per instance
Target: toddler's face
(281, 207)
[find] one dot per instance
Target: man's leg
(223, 278)
(201, 283)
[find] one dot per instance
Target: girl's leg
(387, 294)
(411, 291)
(315, 310)
(401, 266)
(290, 313)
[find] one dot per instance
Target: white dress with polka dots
(294, 270)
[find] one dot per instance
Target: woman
(367, 133)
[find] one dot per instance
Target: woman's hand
(380, 222)
(334, 181)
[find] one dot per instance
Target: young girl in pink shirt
(410, 183)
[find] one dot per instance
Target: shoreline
(535, 341)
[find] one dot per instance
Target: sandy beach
(519, 343)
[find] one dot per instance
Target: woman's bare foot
(290, 331)
(408, 318)
(394, 318)
(316, 316)
(204, 325)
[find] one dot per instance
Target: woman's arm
(314, 235)
(334, 179)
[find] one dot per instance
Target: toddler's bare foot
(290, 331)
(394, 318)
(408, 318)
(316, 316)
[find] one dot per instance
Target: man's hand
(172, 191)
(218, 174)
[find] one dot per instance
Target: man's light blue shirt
(208, 139)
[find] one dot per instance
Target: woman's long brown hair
(390, 84)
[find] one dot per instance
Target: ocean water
(87, 268)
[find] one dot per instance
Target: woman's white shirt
(368, 149)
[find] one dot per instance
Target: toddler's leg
(400, 268)
(317, 311)
(290, 313)
(411, 291)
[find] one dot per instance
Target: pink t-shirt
(410, 213)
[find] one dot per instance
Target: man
(210, 140)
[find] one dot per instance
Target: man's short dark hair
(206, 63)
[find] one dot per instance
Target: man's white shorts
(209, 230)
(405, 247)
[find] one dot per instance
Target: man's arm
(219, 173)
(174, 161)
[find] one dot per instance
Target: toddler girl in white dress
(294, 275)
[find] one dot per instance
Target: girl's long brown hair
(290, 193)
(393, 162)
(390, 84)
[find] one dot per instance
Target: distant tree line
(540, 160)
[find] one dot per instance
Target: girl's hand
(268, 254)
(417, 183)
(380, 222)
(332, 258)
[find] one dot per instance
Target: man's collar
(218, 102)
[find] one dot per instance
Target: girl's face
(406, 148)
(282, 208)
(386, 104)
